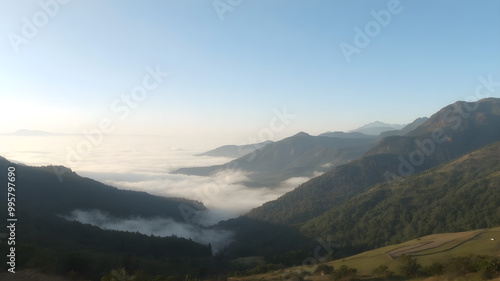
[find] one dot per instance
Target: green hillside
(446, 135)
(360, 210)
(44, 191)
(458, 196)
(428, 250)
(52, 245)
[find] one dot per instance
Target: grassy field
(427, 249)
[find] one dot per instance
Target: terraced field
(427, 249)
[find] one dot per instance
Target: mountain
(46, 241)
(42, 190)
(377, 127)
(454, 130)
(408, 128)
(234, 151)
(351, 135)
(298, 156)
(460, 195)
(319, 194)
(433, 143)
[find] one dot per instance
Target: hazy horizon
(144, 164)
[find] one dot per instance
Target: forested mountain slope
(453, 131)
(460, 195)
(297, 156)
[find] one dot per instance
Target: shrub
(326, 269)
(345, 273)
(409, 266)
(383, 272)
(433, 269)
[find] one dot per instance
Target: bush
(487, 267)
(326, 269)
(345, 273)
(383, 272)
(433, 269)
(294, 276)
(409, 266)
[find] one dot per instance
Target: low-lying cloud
(162, 227)
(223, 194)
(144, 164)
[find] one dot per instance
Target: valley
(351, 215)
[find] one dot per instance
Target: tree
(383, 272)
(433, 269)
(409, 266)
(324, 268)
(345, 273)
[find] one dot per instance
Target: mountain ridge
(43, 190)
(234, 151)
(376, 128)
(393, 158)
(300, 155)
(460, 195)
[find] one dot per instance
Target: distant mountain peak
(302, 134)
(377, 127)
(235, 151)
(26, 132)
(377, 123)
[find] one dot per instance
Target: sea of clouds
(144, 164)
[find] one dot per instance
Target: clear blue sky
(228, 71)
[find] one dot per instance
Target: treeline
(59, 247)
(44, 189)
(484, 267)
(473, 267)
(51, 244)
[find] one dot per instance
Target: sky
(229, 69)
